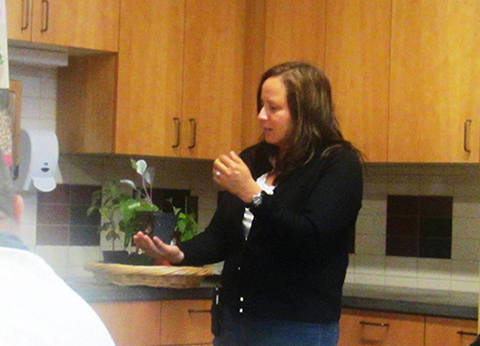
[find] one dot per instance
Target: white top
(248, 216)
(37, 308)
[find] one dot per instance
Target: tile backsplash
(368, 265)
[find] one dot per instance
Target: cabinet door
(150, 72)
(19, 19)
(186, 322)
(357, 61)
(434, 94)
(89, 24)
(131, 323)
(213, 77)
(294, 30)
(449, 331)
(358, 327)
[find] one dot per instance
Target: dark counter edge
(94, 292)
(416, 308)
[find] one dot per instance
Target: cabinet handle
(461, 332)
(46, 7)
(13, 119)
(466, 136)
(193, 127)
(193, 311)
(26, 16)
(176, 121)
(365, 323)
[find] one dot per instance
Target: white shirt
(248, 216)
(37, 308)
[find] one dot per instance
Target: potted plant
(124, 214)
(120, 210)
(186, 226)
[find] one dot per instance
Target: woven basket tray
(153, 276)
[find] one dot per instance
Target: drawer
(186, 322)
(358, 327)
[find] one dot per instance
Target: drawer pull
(193, 127)
(193, 311)
(365, 323)
(26, 17)
(176, 122)
(46, 6)
(461, 332)
(466, 136)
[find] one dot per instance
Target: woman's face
(274, 116)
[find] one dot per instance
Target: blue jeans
(238, 331)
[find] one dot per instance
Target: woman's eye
(272, 108)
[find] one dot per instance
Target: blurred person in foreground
(283, 229)
(37, 308)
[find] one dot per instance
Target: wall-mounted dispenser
(38, 160)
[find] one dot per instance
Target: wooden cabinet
(186, 322)
(449, 331)
(294, 30)
(132, 323)
(91, 24)
(435, 67)
(178, 87)
(180, 94)
(150, 77)
(357, 62)
(278, 31)
(169, 322)
(358, 327)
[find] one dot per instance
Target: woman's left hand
(232, 174)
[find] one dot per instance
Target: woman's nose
(262, 115)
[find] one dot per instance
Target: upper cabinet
(178, 87)
(357, 62)
(294, 30)
(180, 78)
(278, 31)
(213, 77)
(434, 93)
(150, 78)
(90, 24)
(185, 78)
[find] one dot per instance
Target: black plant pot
(119, 256)
(157, 224)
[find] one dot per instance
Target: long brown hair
(315, 128)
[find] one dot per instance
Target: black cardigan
(293, 265)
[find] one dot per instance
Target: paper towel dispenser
(38, 160)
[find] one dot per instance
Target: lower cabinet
(449, 331)
(159, 323)
(186, 322)
(360, 327)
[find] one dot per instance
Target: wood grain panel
(435, 69)
(357, 61)
(86, 104)
(295, 30)
(449, 331)
(89, 24)
(132, 323)
(358, 327)
(213, 76)
(253, 69)
(150, 74)
(186, 322)
(19, 19)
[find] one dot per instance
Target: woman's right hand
(157, 249)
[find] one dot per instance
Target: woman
(283, 228)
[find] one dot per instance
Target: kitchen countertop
(365, 297)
